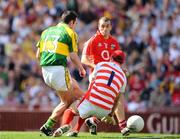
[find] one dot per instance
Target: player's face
(104, 28)
(73, 24)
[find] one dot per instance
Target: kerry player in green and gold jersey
(55, 45)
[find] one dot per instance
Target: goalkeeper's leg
(120, 114)
(92, 124)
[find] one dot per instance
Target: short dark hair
(119, 59)
(104, 19)
(68, 16)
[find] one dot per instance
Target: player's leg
(52, 76)
(85, 110)
(92, 124)
(67, 119)
(120, 114)
(77, 91)
(98, 114)
(66, 100)
(77, 127)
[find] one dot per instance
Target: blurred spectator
(157, 98)
(4, 90)
(155, 52)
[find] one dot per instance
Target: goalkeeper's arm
(115, 104)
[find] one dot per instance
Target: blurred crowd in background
(147, 30)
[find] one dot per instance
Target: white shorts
(87, 109)
(57, 77)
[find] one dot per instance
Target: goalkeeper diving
(101, 99)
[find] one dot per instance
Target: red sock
(122, 124)
(68, 116)
(78, 125)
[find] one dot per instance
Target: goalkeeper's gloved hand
(108, 120)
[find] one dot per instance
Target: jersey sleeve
(85, 49)
(74, 39)
(88, 50)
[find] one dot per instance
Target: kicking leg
(66, 99)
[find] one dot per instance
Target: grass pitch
(101, 135)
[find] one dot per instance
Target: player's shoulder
(90, 41)
(49, 29)
(46, 31)
(67, 29)
(93, 38)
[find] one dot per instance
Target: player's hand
(108, 120)
(82, 72)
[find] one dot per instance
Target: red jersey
(109, 81)
(100, 49)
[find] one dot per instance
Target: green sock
(50, 123)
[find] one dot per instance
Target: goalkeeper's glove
(108, 120)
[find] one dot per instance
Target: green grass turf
(36, 135)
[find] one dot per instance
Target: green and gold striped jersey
(55, 45)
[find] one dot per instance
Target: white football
(135, 123)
